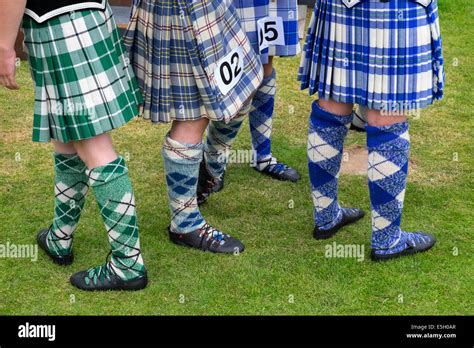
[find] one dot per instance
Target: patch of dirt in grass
(355, 161)
(10, 138)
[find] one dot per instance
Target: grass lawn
(283, 270)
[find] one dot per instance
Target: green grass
(282, 261)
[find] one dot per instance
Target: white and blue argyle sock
(220, 137)
(389, 148)
(182, 169)
(261, 121)
(326, 136)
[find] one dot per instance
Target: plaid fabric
(382, 55)
(114, 194)
(249, 12)
(175, 47)
(288, 10)
(70, 189)
(83, 84)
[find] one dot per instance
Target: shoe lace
(416, 238)
(63, 235)
(208, 185)
(56, 240)
(278, 168)
(100, 273)
(211, 234)
(274, 166)
(211, 182)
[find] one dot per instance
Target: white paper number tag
(271, 32)
(424, 2)
(229, 70)
(350, 3)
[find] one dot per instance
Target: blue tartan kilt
(175, 47)
(250, 12)
(382, 55)
(288, 10)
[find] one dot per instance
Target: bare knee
(189, 132)
(97, 151)
(375, 118)
(336, 108)
(62, 148)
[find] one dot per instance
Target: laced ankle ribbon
(103, 271)
(212, 235)
(274, 166)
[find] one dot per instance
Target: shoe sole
(322, 236)
(64, 261)
(133, 285)
(180, 243)
(276, 178)
(407, 252)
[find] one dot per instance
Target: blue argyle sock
(182, 169)
(326, 136)
(220, 137)
(260, 121)
(389, 148)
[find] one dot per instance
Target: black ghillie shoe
(103, 278)
(207, 184)
(349, 216)
(279, 171)
(63, 260)
(415, 243)
(208, 238)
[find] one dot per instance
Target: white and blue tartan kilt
(288, 10)
(84, 84)
(250, 12)
(381, 55)
(175, 46)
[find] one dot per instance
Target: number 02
(230, 70)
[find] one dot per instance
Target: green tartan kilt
(84, 85)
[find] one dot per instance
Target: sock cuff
(268, 87)
(69, 163)
(270, 79)
(178, 152)
(108, 172)
(324, 118)
(393, 137)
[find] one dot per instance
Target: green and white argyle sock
(114, 195)
(70, 189)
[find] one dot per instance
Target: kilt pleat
(175, 47)
(382, 55)
(84, 85)
(250, 12)
(288, 11)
